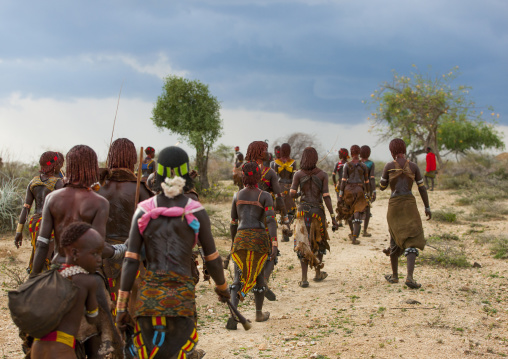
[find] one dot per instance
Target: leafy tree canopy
(187, 109)
(433, 112)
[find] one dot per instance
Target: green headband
(179, 171)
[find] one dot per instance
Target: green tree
(462, 135)
(433, 112)
(224, 153)
(187, 109)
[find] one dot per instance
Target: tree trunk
(435, 149)
(202, 165)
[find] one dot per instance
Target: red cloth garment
(431, 162)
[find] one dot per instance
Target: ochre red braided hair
(122, 154)
(355, 150)
(256, 151)
(309, 159)
(81, 166)
(397, 147)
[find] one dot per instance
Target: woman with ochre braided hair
(252, 247)
(38, 188)
(404, 222)
(311, 235)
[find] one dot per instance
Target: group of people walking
(127, 242)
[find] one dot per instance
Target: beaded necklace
(68, 270)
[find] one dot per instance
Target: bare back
(249, 208)
(312, 186)
(121, 198)
(169, 240)
(355, 172)
(401, 183)
(73, 205)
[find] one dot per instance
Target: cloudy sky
(277, 66)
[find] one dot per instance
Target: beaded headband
(179, 171)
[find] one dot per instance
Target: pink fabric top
(151, 210)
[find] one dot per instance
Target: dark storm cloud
(315, 59)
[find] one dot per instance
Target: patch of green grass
(448, 256)
(464, 201)
(444, 216)
(444, 237)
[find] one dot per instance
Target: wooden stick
(243, 321)
(138, 183)
(116, 113)
(114, 121)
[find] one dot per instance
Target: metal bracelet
(43, 240)
(120, 250)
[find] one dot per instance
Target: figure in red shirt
(431, 169)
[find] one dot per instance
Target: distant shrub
(476, 172)
(221, 191)
(456, 182)
(490, 194)
(485, 209)
(499, 247)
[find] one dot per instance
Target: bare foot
(232, 324)
(354, 240)
(262, 316)
(320, 276)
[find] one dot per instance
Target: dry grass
(14, 274)
(11, 203)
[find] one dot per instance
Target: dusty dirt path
(354, 313)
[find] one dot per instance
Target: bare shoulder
(86, 281)
(51, 195)
(265, 198)
(98, 199)
(201, 214)
(389, 165)
(413, 166)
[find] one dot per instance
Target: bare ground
(354, 313)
